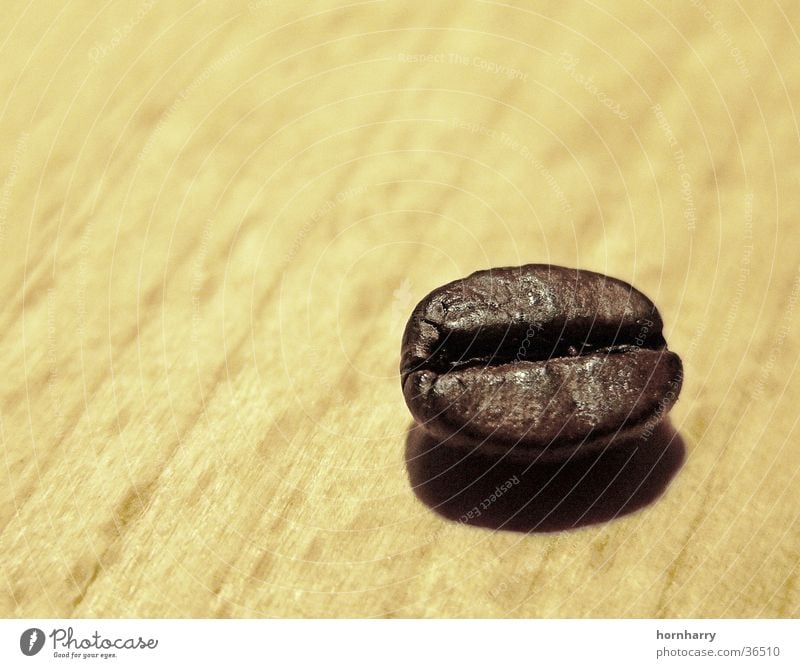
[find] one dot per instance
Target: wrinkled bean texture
(539, 359)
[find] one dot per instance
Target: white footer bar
(399, 643)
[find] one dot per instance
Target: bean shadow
(498, 493)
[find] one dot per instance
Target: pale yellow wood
(215, 219)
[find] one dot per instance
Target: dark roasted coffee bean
(538, 359)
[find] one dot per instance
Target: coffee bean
(540, 360)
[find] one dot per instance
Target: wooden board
(215, 220)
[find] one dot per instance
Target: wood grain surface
(215, 219)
